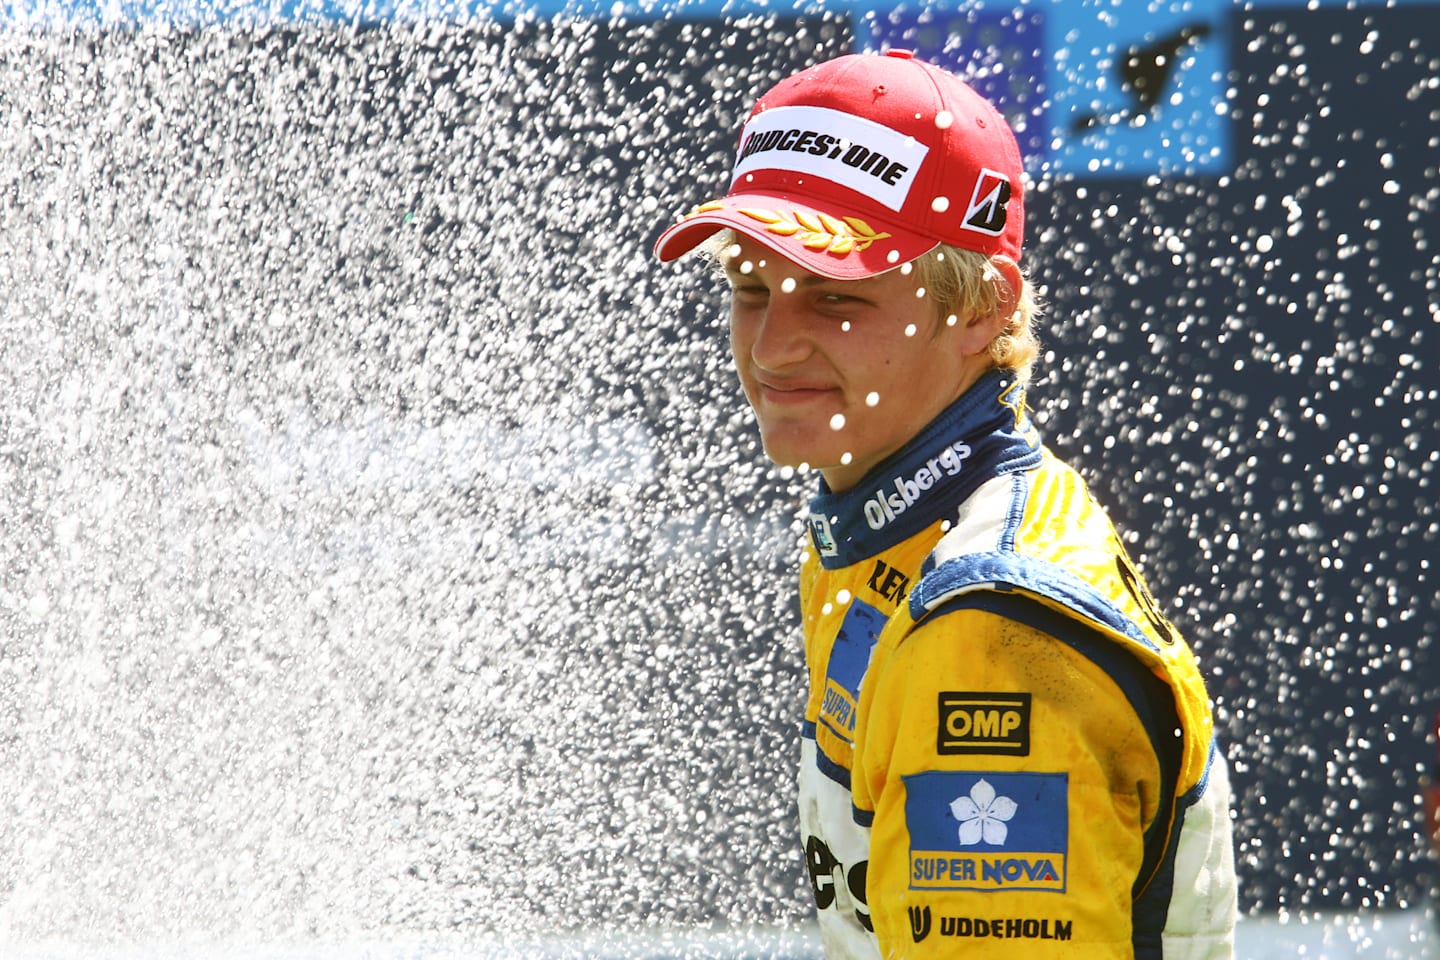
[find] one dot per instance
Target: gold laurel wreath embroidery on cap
(819, 231)
(816, 232)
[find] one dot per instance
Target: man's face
(841, 374)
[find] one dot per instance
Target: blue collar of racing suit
(984, 434)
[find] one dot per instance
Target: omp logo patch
(849, 659)
(984, 723)
(987, 831)
(986, 212)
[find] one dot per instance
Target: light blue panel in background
(1138, 87)
(1119, 88)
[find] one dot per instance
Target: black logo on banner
(889, 582)
(823, 865)
(919, 923)
(1142, 596)
(986, 212)
(990, 723)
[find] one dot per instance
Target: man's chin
(798, 458)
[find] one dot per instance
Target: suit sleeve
(1009, 772)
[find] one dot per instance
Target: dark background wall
(1257, 399)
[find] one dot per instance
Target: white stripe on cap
(867, 157)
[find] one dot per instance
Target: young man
(1007, 750)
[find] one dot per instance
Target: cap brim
(824, 242)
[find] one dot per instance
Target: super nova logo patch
(987, 831)
(849, 659)
(985, 723)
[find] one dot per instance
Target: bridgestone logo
(869, 158)
(818, 144)
(986, 211)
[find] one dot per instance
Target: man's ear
(979, 331)
(1013, 285)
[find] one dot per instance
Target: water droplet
(940, 204)
(787, 285)
(872, 399)
(943, 119)
(837, 422)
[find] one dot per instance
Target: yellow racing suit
(1007, 750)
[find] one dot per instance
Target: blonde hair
(961, 283)
(964, 283)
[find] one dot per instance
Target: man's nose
(784, 337)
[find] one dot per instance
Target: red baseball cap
(865, 162)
